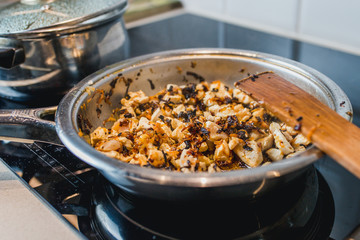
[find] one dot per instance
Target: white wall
(329, 23)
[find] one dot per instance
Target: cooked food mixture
(197, 128)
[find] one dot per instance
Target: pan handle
(29, 124)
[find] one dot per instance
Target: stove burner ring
(118, 215)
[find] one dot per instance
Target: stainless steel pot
(51, 59)
(80, 109)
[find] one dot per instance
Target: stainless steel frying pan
(85, 109)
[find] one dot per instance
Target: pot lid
(26, 15)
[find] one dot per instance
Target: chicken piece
(300, 140)
(266, 142)
(219, 89)
(239, 107)
(138, 97)
(208, 116)
(131, 111)
(255, 135)
(166, 129)
(280, 141)
(122, 125)
(190, 108)
(242, 97)
(222, 153)
(287, 135)
(178, 133)
(182, 146)
(250, 155)
(257, 115)
(205, 160)
(213, 129)
(127, 110)
(213, 168)
(225, 111)
(156, 114)
(275, 154)
(125, 142)
(300, 149)
(233, 142)
(156, 157)
(186, 160)
(209, 99)
(139, 159)
(243, 114)
(290, 130)
(172, 98)
(165, 147)
(173, 122)
(166, 111)
(135, 99)
(161, 127)
(142, 142)
(97, 135)
(200, 95)
(172, 87)
(178, 109)
(214, 109)
(111, 145)
(203, 86)
(222, 111)
(144, 123)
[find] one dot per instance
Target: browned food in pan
(197, 128)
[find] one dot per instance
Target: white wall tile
(275, 13)
(215, 6)
(329, 23)
(332, 20)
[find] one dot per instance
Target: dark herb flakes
(128, 115)
(247, 148)
(152, 86)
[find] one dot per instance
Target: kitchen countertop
(26, 214)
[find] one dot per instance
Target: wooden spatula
(327, 130)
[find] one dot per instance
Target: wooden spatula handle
(327, 130)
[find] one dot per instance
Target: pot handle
(30, 124)
(11, 57)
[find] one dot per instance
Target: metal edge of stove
(25, 209)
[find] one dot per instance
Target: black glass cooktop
(302, 210)
(191, 31)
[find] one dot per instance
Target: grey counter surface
(25, 215)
